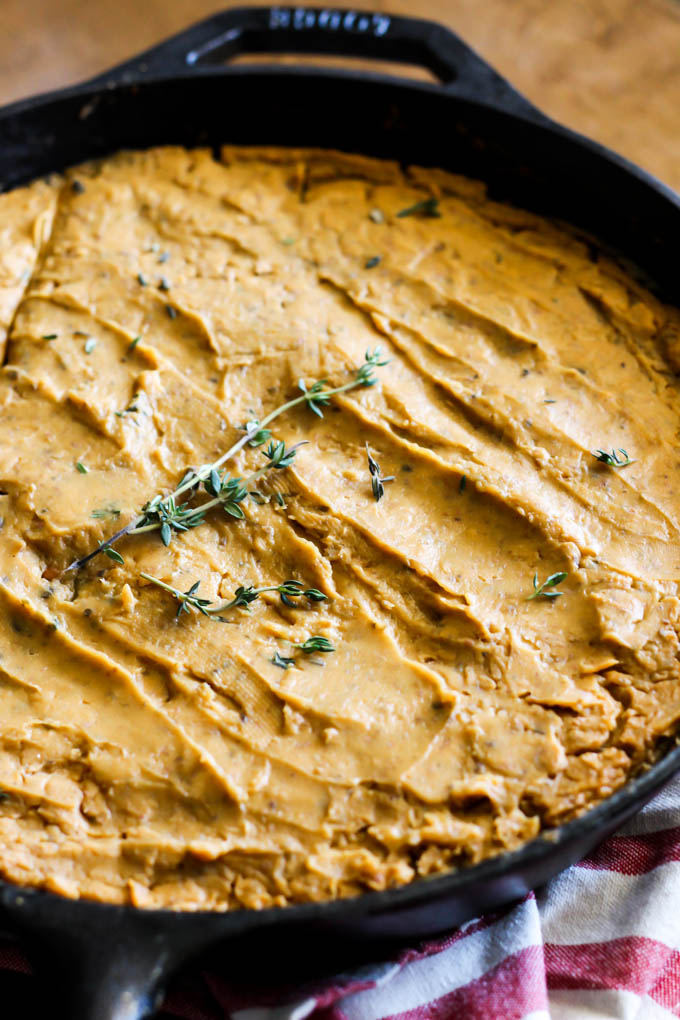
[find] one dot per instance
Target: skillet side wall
(532, 162)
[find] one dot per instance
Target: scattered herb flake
(131, 409)
(78, 187)
(133, 343)
(50, 336)
(612, 459)
(163, 257)
(541, 590)
(377, 216)
(142, 280)
(282, 661)
(462, 483)
(172, 312)
(377, 480)
(163, 284)
(427, 207)
(373, 262)
(81, 467)
(90, 345)
(106, 511)
(315, 644)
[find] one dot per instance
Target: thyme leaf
(258, 436)
(294, 589)
(279, 456)
(81, 467)
(373, 262)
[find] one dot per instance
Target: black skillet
(108, 963)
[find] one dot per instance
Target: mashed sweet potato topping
(153, 303)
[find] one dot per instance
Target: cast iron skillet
(108, 963)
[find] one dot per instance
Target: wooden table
(609, 68)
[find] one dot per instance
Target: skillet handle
(98, 962)
(333, 32)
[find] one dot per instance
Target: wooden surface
(609, 68)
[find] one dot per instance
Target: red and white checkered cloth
(599, 942)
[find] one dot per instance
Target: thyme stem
(243, 596)
(201, 508)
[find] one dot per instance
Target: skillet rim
(623, 802)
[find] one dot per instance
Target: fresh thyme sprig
(541, 590)
(226, 491)
(612, 459)
(243, 596)
(167, 510)
(377, 480)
